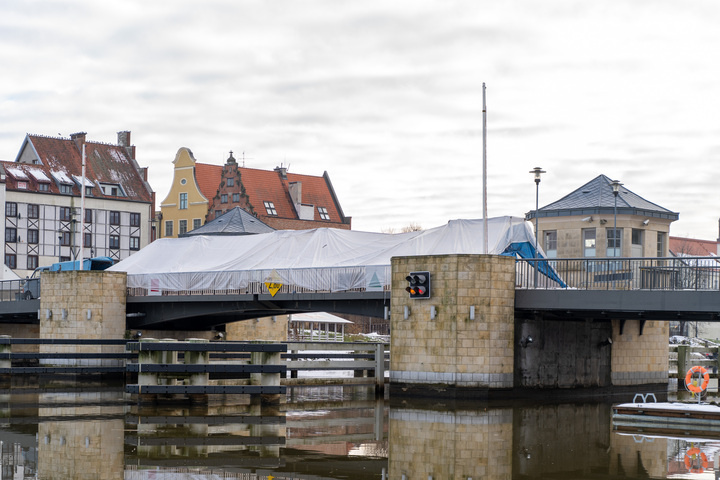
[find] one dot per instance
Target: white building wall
(49, 226)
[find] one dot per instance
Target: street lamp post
(537, 171)
(615, 189)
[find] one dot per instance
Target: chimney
(79, 139)
(124, 138)
(282, 171)
(295, 189)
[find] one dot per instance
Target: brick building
(282, 200)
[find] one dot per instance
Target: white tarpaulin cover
(319, 259)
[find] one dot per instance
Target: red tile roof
(693, 247)
(268, 185)
(208, 179)
(61, 157)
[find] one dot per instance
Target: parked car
(31, 289)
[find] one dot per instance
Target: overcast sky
(386, 96)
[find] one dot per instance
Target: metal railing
(614, 273)
(668, 273)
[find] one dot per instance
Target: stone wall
(265, 328)
(83, 305)
(640, 359)
(452, 349)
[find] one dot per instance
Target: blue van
(31, 289)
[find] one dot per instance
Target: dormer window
(43, 187)
(22, 185)
(112, 189)
(270, 208)
(64, 182)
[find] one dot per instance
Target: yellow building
(186, 206)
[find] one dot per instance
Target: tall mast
(82, 209)
(485, 217)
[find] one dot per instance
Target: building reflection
(100, 435)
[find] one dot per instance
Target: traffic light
(419, 284)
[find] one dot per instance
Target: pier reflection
(502, 442)
(329, 433)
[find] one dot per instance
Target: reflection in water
(329, 433)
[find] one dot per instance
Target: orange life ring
(691, 455)
(689, 382)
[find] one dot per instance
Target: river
(326, 433)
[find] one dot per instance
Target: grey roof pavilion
(235, 221)
(596, 197)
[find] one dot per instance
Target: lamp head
(615, 184)
(537, 171)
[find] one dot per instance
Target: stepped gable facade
(279, 199)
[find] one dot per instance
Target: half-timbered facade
(41, 192)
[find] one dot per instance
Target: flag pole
(485, 219)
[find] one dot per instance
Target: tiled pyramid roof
(233, 222)
(597, 197)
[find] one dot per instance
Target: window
(88, 191)
(183, 181)
(223, 198)
(197, 223)
(236, 197)
(614, 242)
(65, 213)
(134, 219)
(88, 215)
(87, 239)
(33, 235)
(550, 244)
(588, 237)
(112, 189)
(32, 262)
(661, 241)
(183, 201)
(11, 235)
(43, 187)
(11, 260)
(114, 218)
(230, 182)
(182, 227)
(134, 243)
(323, 213)
(168, 228)
(11, 209)
(22, 185)
(63, 258)
(114, 242)
(65, 188)
(33, 211)
(218, 213)
(65, 239)
(270, 208)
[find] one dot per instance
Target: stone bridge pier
(464, 341)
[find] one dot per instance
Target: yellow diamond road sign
(273, 283)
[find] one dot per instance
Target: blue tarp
(527, 250)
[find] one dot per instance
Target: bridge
(668, 289)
